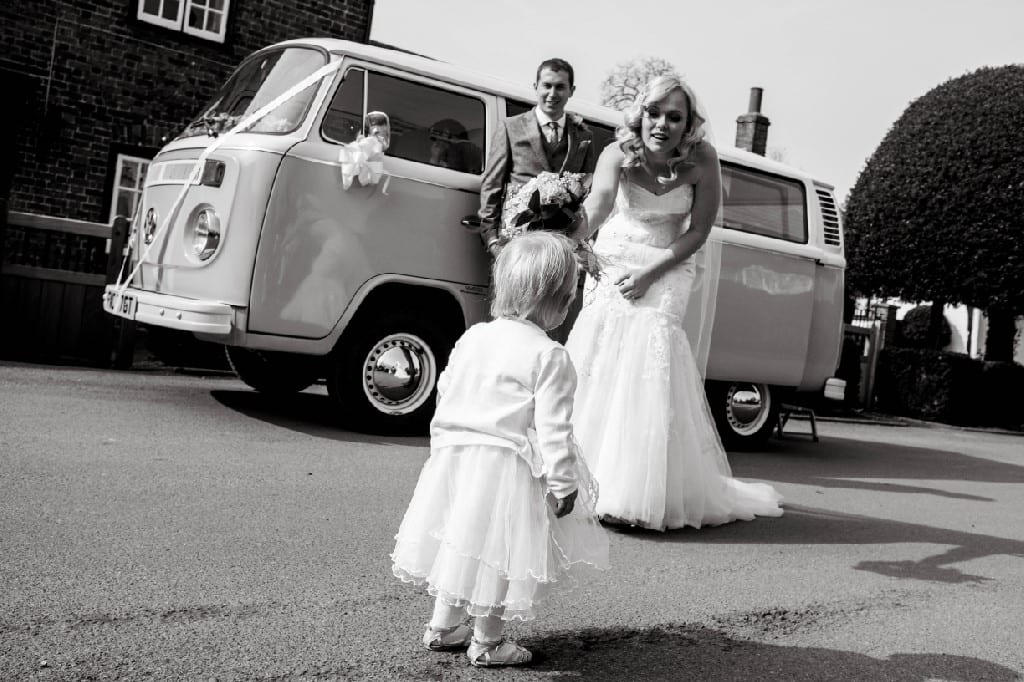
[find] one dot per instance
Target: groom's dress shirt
(520, 152)
(544, 121)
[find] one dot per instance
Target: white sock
(446, 616)
(488, 628)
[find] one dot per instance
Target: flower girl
(503, 511)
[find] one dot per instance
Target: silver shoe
(503, 652)
(447, 639)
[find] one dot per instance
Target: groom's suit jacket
(520, 153)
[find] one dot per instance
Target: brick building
(91, 90)
(96, 86)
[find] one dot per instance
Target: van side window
(515, 107)
(344, 118)
(430, 125)
(765, 204)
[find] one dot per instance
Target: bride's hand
(633, 283)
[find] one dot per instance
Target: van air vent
(830, 216)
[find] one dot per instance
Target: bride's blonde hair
(630, 138)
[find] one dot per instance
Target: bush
(949, 387)
(928, 384)
(1002, 383)
(913, 330)
(961, 141)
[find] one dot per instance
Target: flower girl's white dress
(480, 530)
(641, 415)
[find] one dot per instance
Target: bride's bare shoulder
(704, 152)
(705, 157)
(612, 154)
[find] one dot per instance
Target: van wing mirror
(378, 124)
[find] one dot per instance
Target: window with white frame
(129, 179)
(203, 18)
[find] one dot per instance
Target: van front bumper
(167, 310)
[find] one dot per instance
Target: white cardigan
(506, 379)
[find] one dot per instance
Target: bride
(641, 415)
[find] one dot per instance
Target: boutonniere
(578, 121)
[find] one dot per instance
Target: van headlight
(205, 234)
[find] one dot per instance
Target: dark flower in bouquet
(550, 201)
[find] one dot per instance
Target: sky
(836, 74)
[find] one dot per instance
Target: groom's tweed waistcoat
(556, 154)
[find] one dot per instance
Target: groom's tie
(552, 134)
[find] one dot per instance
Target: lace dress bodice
(642, 217)
(642, 225)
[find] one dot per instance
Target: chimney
(752, 127)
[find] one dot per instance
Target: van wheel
(383, 375)
(274, 373)
(745, 413)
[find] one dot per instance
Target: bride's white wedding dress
(641, 415)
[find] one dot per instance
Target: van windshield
(256, 82)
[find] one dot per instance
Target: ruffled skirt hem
(480, 534)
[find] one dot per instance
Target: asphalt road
(161, 526)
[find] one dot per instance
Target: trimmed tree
(628, 78)
(937, 214)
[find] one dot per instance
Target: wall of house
(94, 81)
(968, 327)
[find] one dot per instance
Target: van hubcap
(747, 407)
(399, 373)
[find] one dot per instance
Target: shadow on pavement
(809, 526)
(307, 412)
(831, 463)
(836, 462)
(699, 653)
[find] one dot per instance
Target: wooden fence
(52, 274)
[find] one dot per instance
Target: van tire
(375, 402)
(274, 373)
(747, 423)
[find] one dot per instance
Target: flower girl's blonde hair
(535, 278)
(629, 136)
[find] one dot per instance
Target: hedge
(915, 327)
(949, 387)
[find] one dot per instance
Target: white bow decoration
(362, 159)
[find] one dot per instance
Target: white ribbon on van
(197, 170)
(362, 160)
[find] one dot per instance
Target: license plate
(123, 305)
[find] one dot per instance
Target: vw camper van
(268, 227)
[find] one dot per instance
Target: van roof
(478, 80)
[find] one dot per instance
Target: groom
(542, 139)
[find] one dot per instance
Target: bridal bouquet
(550, 201)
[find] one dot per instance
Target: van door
(321, 242)
(766, 288)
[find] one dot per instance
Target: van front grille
(830, 216)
